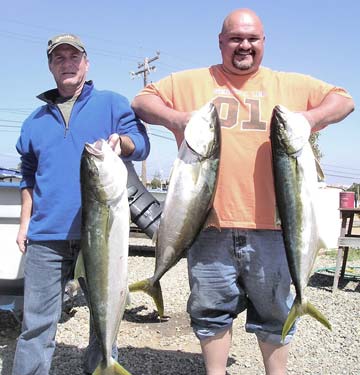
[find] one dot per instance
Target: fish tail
(315, 313)
(298, 309)
(293, 315)
(114, 368)
(153, 290)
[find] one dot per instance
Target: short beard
(242, 65)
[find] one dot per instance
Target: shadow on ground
(324, 279)
(137, 360)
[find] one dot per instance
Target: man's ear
(49, 65)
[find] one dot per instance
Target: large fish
(189, 198)
(296, 188)
(104, 244)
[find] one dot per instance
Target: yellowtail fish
(104, 244)
(189, 198)
(296, 188)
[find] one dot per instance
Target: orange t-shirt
(245, 196)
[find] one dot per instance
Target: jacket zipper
(66, 126)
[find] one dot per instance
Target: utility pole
(144, 69)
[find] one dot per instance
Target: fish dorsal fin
(320, 173)
(79, 267)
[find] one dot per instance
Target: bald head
(241, 17)
(241, 42)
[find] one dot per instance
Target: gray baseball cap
(70, 39)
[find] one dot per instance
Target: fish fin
(153, 290)
(79, 267)
(114, 368)
(320, 173)
(315, 313)
(128, 298)
(293, 315)
(298, 310)
(154, 237)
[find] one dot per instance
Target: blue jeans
(234, 270)
(49, 265)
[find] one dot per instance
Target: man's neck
(69, 92)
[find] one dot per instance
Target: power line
(23, 110)
(111, 53)
(348, 177)
(341, 167)
(96, 51)
(342, 172)
(23, 37)
(162, 136)
(96, 37)
(9, 131)
(159, 129)
(16, 121)
(53, 30)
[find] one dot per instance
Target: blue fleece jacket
(50, 156)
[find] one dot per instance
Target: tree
(155, 183)
(355, 188)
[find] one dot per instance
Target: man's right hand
(21, 240)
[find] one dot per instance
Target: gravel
(149, 347)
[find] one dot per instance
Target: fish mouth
(292, 138)
(95, 149)
(281, 132)
(203, 143)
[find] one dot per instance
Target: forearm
(25, 215)
(333, 108)
(152, 110)
(26, 206)
(127, 145)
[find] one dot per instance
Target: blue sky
(319, 38)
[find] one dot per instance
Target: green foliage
(314, 138)
(356, 189)
(155, 183)
(353, 254)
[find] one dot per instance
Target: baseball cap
(70, 39)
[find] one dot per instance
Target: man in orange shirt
(243, 266)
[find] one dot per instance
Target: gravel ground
(148, 347)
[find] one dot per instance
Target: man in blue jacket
(51, 142)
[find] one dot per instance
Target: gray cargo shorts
(234, 270)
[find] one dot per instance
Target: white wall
(329, 215)
(11, 259)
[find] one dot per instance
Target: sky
(319, 38)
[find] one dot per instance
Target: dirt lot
(149, 347)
